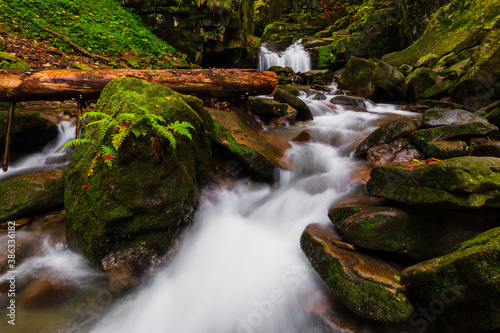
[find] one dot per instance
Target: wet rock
(463, 284)
(46, 291)
(303, 112)
(431, 104)
(443, 117)
(457, 182)
(285, 74)
(373, 79)
(30, 194)
(489, 148)
(30, 130)
(318, 76)
(367, 286)
(425, 138)
(420, 234)
(27, 244)
(242, 139)
(445, 149)
(267, 110)
(59, 158)
(349, 100)
(380, 155)
(387, 133)
(303, 136)
(318, 97)
(491, 112)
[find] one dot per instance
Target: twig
(78, 48)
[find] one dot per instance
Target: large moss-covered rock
(31, 194)
(419, 81)
(367, 286)
(373, 79)
(462, 287)
(421, 234)
(457, 182)
(240, 138)
(149, 194)
(453, 28)
(30, 130)
(387, 133)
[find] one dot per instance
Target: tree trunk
(19, 85)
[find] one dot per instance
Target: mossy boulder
(445, 149)
(464, 284)
(31, 194)
(461, 182)
(367, 286)
(387, 133)
(149, 194)
(10, 61)
(318, 76)
(266, 109)
(453, 28)
(419, 81)
(240, 139)
(420, 234)
(373, 79)
(285, 75)
(30, 130)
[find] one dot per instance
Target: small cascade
(295, 56)
(50, 157)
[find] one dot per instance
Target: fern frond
(93, 163)
(99, 115)
(118, 138)
(181, 128)
(109, 155)
(75, 142)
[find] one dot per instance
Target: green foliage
(100, 27)
(141, 122)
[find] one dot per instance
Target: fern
(140, 123)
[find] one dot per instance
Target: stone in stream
(303, 112)
(387, 133)
(367, 286)
(350, 100)
(489, 148)
(149, 194)
(420, 234)
(31, 194)
(445, 149)
(460, 182)
(437, 117)
(461, 288)
(269, 110)
(240, 138)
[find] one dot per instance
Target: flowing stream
(240, 268)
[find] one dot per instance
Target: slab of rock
(303, 112)
(462, 288)
(367, 286)
(445, 149)
(489, 148)
(243, 140)
(31, 194)
(420, 234)
(444, 117)
(459, 182)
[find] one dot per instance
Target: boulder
(489, 148)
(303, 112)
(462, 288)
(318, 76)
(367, 286)
(30, 130)
(491, 112)
(444, 117)
(241, 139)
(149, 194)
(31, 194)
(461, 182)
(418, 82)
(266, 109)
(373, 79)
(420, 234)
(387, 133)
(445, 149)
(428, 60)
(349, 100)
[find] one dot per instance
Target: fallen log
(62, 84)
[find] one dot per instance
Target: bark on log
(32, 85)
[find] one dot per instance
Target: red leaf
(87, 185)
(218, 120)
(107, 157)
(49, 177)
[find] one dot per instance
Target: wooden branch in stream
(19, 85)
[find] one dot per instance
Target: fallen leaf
(87, 185)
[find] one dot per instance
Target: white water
(37, 162)
(294, 56)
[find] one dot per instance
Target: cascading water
(295, 56)
(50, 157)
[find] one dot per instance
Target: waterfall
(294, 56)
(50, 157)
